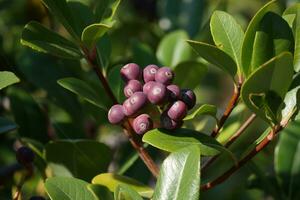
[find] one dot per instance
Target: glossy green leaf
(111, 181)
(124, 192)
(291, 101)
(41, 39)
(247, 48)
(92, 33)
(215, 56)
(106, 10)
(100, 192)
(142, 54)
(228, 35)
(64, 188)
(116, 83)
(86, 158)
(103, 51)
(273, 37)
(287, 160)
(7, 78)
(83, 90)
(179, 176)
(7, 125)
(173, 49)
(294, 11)
(204, 109)
(176, 139)
(268, 79)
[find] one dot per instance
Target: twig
(231, 105)
(135, 142)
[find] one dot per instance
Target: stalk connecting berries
(153, 85)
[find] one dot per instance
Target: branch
(231, 105)
(135, 142)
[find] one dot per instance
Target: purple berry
(188, 97)
(130, 71)
(134, 103)
(142, 124)
(116, 114)
(167, 123)
(147, 86)
(25, 156)
(174, 91)
(157, 93)
(177, 111)
(131, 87)
(164, 75)
(149, 73)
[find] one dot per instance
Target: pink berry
(134, 103)
(167, 123)
(188, 97)
(174, 91)
(131, 87)
(177, 111)
(116, 114)
(142, 124)
(130, 71)
(164, 75)
(149, 73)
(157, 93)
(147, 86)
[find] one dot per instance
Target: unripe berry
(116, 114)
(164, 75)
(177, 111)
(142, 124)
(25, 156)
(149, 73)
(157, 93)
(147, 86)
(37, 198)
(130, 71)
(131, 87)
(188, 97)
(167, 123)
(174, 92)
(134, 103)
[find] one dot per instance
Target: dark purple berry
(177, 111)
(157, 93)
(134, 103)
(25, 156)
(174, 91)
(164, 75)
(37, 198)
(116, 114)
(149, 73)
(130, 71)
(131, 87)
(147, 86)
(188, 97)
(142, 124)
(167, 123)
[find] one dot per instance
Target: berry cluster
(156, 90)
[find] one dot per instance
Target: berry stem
(137, 145)
(231, 105)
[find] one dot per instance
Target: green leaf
(83, 90)
(204, 109)
(103, 52)
(7, 78)
(64, 188)
(194, 70)
(142, 54)
(106, 10)
(215, 56)
(273, 37)
(7, 125)
(172, 49)
(124, 192)
(294, 11)
(111, 181)
(176, 139)
(287, 160)
(41, 39)
(179, 176)
(86, 158)
(274, 77)
(291, 101)
(247, 48)
(116, 83)
(228, 35)
(100, 192)
(92, 33)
